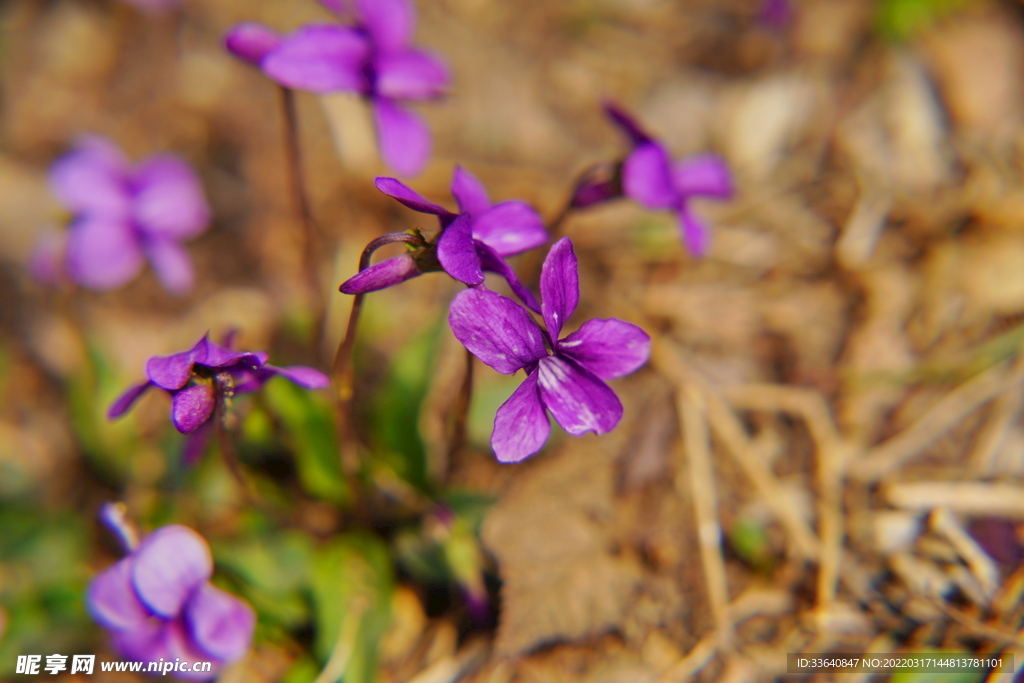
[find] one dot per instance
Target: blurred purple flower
(373, 58)
(158, 602)
(649, 177)
(476, 240)
(123, 215)
(196, 379)
(776, 14)
(565, 376)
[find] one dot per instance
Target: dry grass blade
(701, 480)
(728, 428)
(695, 660)
(947, 412)
(831, 452)
(969, 498)
(981, 565)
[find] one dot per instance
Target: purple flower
(565, 376)
(373, 58)
(776, 14)
(158, 602)
(197, 378)
(123, 215)
(476, 240)
(650, 178)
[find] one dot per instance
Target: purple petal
(382, 275)
(411, 75)
(191, 407)
(704, 175)
(470, 193)
(172, 265)
(103, 252)
(520, 426)
(173, 372)
(169, 199)
(46, 262)
(251, 41)
(125, 400)
(147, 642)
(396, 189)
(220, 623)
(92, 178)
(510, 228)
(457, 253)
(559, 286)
(389, 22)
(213, 355)
(403, 137)
(181, 644)
(493, 263)
(319, 58)
(301, 375)
(196, 442)
(169, 565)
(647, 177)
(496, 330)
(579, 401)
(695, 233)
(112, 601)
(626, 123)
(608, 348)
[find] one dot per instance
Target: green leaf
(309, 421)
(901, 19)
(396, 408)
(352, 572)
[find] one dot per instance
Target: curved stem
(343, 368)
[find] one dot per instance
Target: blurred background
(845, 361)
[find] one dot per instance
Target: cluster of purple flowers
(158, 601)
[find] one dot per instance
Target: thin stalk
(224, 390)
(343, 368)
(460, 410)
(301, 204)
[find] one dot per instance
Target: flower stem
(224, 390)
(300, 202)
(460, 410)
(343, 368)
